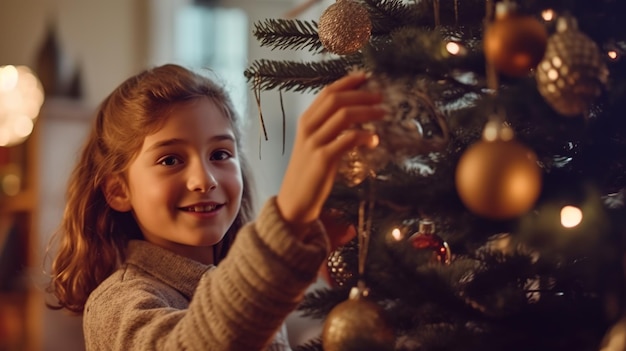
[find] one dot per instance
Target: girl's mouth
(203, 208)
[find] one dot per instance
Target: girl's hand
(324, 134)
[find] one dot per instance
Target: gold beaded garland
(344, 27)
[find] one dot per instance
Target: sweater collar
(181, 273)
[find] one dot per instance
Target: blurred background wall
(95, 45)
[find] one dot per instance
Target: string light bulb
(571, 216)
(397, 234)
(455, 49)
(548, 15)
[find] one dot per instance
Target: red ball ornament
(514, 43)
(426, 241)
(498, 179)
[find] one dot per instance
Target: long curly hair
(92, 236)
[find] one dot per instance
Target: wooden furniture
(20, 299)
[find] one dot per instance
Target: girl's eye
(169, 161)
(221, 155)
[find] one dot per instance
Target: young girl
(158, 249)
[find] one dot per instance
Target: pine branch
(288, 34)
(317, 304)
(387, 15)
(312, 345)
(299, 76)
(480, 300)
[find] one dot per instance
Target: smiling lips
(203, 208)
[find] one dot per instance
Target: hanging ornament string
(436, 8)
(282, 110)
(366, 208)
(256, 89)
(456, 13)
(490, 69)
(298, 10)
(492, 75)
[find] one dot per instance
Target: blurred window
(215, 38)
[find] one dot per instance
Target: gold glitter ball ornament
(357, 324)
(572, 73)
(344, 27)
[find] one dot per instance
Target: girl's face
(185, 184)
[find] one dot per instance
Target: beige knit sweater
(161, 301)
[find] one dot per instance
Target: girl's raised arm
(325, 132)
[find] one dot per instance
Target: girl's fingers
(347, 82)
(310, 175)
(323, 109)
(323, 137)
(347, 141)
(339, 93)
(344, 119)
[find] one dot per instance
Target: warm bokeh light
(396, 234)
(495, 130)
(11, 184)
(547, 15)
(612, 54)
(571, 216)
(454, 48)
(21, 97)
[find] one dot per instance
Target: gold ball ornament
(514, 43)
(357, 324)
(498, 179)
(353, 168)
(572, 73)
(344, 27)
(615, 338)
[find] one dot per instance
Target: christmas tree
(490, 216)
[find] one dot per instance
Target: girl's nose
(201, 179)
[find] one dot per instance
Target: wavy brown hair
(92, 237)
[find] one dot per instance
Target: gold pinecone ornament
(572, 73)
(344, 27)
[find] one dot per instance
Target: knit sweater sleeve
(261, 280)
(240, 305)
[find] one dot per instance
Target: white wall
(67, 121)
(103, 38)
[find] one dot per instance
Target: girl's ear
(116, 194)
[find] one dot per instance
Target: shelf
(25, 201)
(21, 302)
(15, 323)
